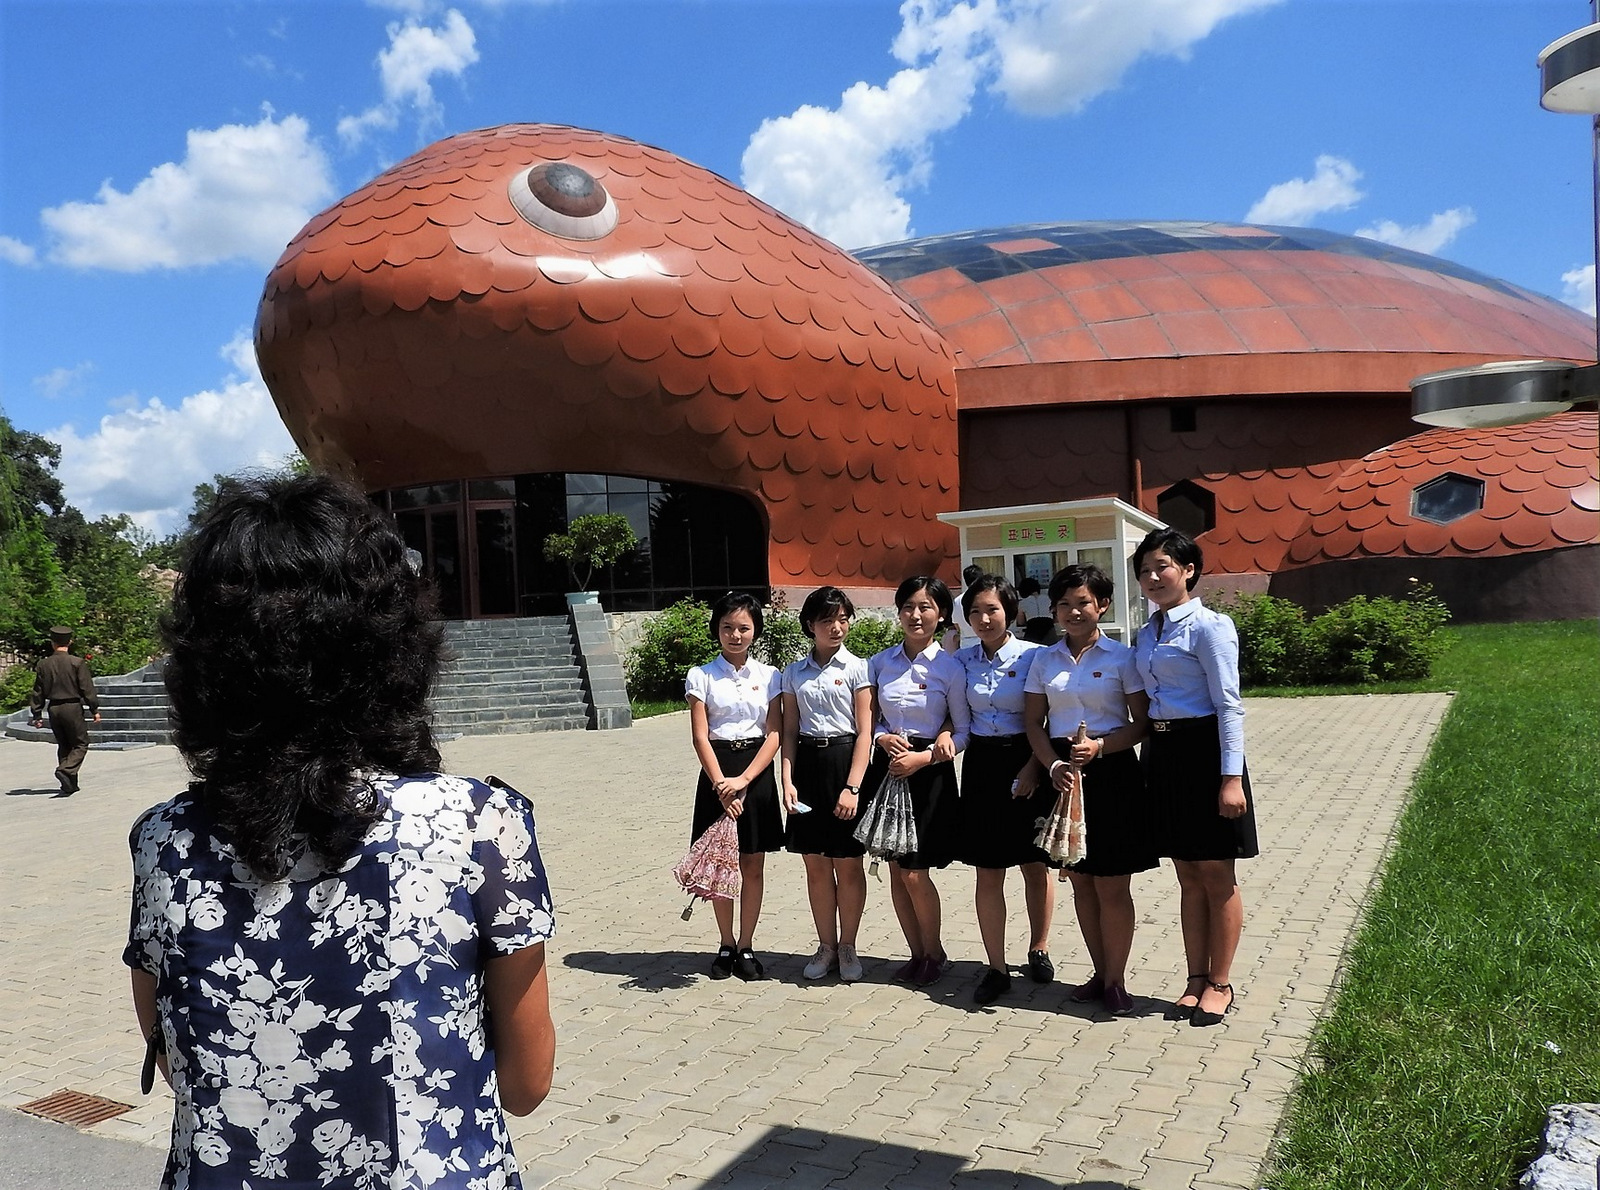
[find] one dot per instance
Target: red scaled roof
(1541, 491)
(1209, 309)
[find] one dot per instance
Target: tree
(592, 543)
(35, 593)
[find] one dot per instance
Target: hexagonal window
(1189, 507)
(1446, 498)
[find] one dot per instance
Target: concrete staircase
(510, 676)
(133, 711)
(542, 673)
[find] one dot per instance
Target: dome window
(1446, 498)
(1189, 507)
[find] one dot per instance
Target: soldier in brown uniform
(63, 685)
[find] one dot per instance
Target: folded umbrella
(709, 871)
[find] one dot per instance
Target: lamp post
(1507, 392)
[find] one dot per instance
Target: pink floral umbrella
(709, 871)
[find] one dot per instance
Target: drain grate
(75, 1108)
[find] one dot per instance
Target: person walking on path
(61, 687)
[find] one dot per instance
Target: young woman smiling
(920, 722)
(1188, 658)
(1089, 678)
(735, 715)
(1002, 791)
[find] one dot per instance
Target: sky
(156, 157)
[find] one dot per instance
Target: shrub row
(678, 638)
(1359, 641)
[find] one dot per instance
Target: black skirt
(934, 807)
(997, 830)
(1183, 771)
(1122, 836)
(819, 775)
(761, 822)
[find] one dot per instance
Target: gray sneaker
(821, 962)
(849, 963)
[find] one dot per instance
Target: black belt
(826, 741)
(1166, 725)
(56, 702)
(998, 739)
(738, 745)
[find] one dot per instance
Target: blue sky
(155, 157)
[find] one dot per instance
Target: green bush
(872, 634)
(1378, 640)
(674, 642)
(782, 638)
(1274, 640)
(15, 687)
(1360, 641)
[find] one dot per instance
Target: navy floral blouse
(328, 1030)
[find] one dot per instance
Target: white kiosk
(1036, 540)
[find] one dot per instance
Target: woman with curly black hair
(321, 888)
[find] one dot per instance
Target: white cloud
(58, 382)
(1577, 288)
(16, 252)
(406, 68)
(146, 460)
(1057, 55)
(845, 171)
(1427, 237)
(1300, 200)
(240, 193)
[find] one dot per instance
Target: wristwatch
(854, 788)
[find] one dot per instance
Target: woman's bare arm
(144, 1007)
(518, 995)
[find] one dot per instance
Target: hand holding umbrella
(709, 871)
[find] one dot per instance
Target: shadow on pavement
(656, 971)
(48, 792)
(782, 1153)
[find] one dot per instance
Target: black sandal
(1202, 1018)
(1185, 1012)
(722, 965)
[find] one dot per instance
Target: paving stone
(666, 1078)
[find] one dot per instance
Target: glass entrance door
(435, 533)
(494, 559)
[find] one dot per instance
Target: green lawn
(645, 708)
(1471, 998)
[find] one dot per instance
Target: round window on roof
(565, 200)
(1446, 498)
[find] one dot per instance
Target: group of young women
(844, 724)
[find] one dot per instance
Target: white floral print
(328, 1029)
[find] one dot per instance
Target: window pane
(492, 489)
(577, 484)
(578, 506)
(625, 483)
(497, 591)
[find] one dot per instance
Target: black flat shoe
(1040, 968)
(1185, 1012)
(1201, 1018)
(991, 987)
(722, 965)
(747, 967)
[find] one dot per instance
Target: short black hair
(301, 651)
(1003, 590)
(1177, 545)
(737, 601)
(824, 604)
(1028, 586)
(937, 591)
(1081, 574)
(971, 573)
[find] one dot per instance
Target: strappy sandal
(1202, 1018)
(1179, 1011)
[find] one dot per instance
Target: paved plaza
(667, 1079)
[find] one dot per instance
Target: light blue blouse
(825, 695)
(995, 686)
(1193, 671)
